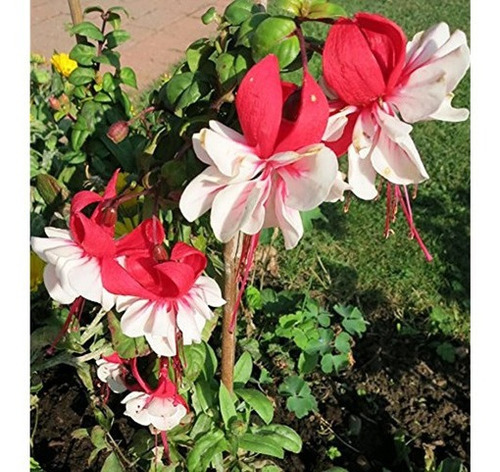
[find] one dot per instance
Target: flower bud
(64, 99)
(118, 131)
(54, 103)
(160, 253)
(109, 216)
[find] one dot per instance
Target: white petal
(425, 44)
(288, 218)
(361, 175)
(52, 232)
(338, 188)
(84, 276)
(309, 179)
(227, 132)
(135, 403)
(209, 289)
(447, 113)
(336, 124)
(161, 345)
(234, 206)
(53, 285)
(135, 318)
(186, 321)
(161, 321)
(199, 195)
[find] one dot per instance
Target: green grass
(348, 259)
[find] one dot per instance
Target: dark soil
(398, 386)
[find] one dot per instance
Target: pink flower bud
(54, 103)
(118, 131)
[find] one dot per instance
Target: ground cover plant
(193, 307)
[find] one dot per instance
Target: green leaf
(80, 433)
(108, 82)
(35, 466)
(82, 76)
(110, 58)
(300, 400)
(209, 16)
(185, 89)
(116, 37)
(112, 9)
(197, 53)
(78, 138)
(85, 28)
(128, 77)
(226, 403)
(103, 97)
(93, 9)
(231, 67)
(324, 320)
(125, 346)
(340, 362)
(343, 343)
(247, 29)
(83, 54)
(253, 443)
(309, 216)
(98, 438)
(238, 11)
(307, 362)
(195, 359)
(325, 10)
(353, 321)
(285, 436)
(243, 369)
(202, 425)
(205, 446)
(275, 36)
(112, 464)
(446, 351)
(258, 401)
(451, 465)
(292, 7)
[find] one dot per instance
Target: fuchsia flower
(373, 75)
(163, 298)
(74, 256)
(111, 370)
(276, 169)
(163, 408)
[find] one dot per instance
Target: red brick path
(161, 30)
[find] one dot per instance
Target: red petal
(259, 103)
(349, 65)
(189, 255)
(83, 199)
(142, 239)
(110, 191)
(310, 124)
(387, 42)
(117, 280)
(176, 278)
(91, 237)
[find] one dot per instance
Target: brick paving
(160, 30)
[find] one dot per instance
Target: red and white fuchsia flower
(111, 370)
(374, 76)
(163, 408)
(276, 169)
(164, 297)
(74, 256)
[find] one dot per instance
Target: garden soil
(400, 405)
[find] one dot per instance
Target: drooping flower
(74, 256)
(111, 370)
(374, 77)
(163, 297)
(163, 408)
(63, 64)
(275, 169)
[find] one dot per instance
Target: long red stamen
(166, 450)
(76, 307)
(250, 244)
(405, 205)
(388, 209)
(137, 376)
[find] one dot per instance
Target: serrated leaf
(226, 403)
(128, 77)
(275, 36)
(83, 54)
(243, 369)
(285, 436)
(252, 443)
(85, 28)
(82, 76)
(116, 38)
(258, 401)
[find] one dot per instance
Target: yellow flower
(63, 64)
(36, 271)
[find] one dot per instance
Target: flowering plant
(226, 133)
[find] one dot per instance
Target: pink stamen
(250, 244)
(409, 219)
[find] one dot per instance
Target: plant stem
(230, 294)
(75, 9)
